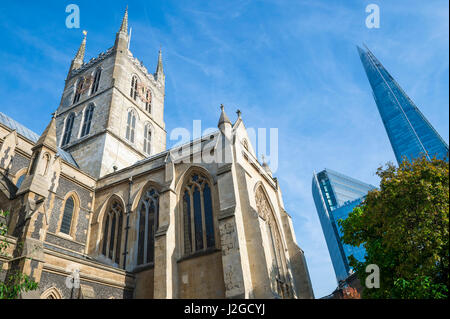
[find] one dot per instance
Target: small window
(66, 222)
(148, 101)
(46, 159)
(134, 87)
(20, 180)
(87, 120)
(96, 83)
(147, 139)
(131, 126)
(78, 90)
(68, 130)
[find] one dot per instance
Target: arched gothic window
(20, 180)
(131, 126)
(78, 90)
(279, 271)
(198, 223)
(148, 101)
(87, 120)
(68, 130)
(134, 87)
(147, 139)
(112, 231)
(66, 222)
(95, 84)
(46, 159)
(51, 293)
(148, 224)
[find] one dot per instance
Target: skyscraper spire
(124, 26)
(409, 132)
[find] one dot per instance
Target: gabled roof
(32, 136)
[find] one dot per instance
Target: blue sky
(290, 65)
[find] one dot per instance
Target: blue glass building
(335, 196)
(409, 132)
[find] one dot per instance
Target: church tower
(111, 113)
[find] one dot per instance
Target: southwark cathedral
(99, 208)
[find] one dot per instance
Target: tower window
(78, 90)
(96, 83)
(148, 101)
(148, 223)
(147, 139)
(112, 231)
(197, 215)
(134, 87)
(87, 120)
(67, 216)
(131, 126)
(68, 130)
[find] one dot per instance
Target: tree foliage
(15, 282)
(404, 227)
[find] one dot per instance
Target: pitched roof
(32, 136)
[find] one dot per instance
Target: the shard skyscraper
(410, 134)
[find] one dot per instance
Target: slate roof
(32, 136)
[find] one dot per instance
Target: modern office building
(410, 134)
(335, 196)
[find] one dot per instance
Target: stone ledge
(226, 213)
(200, 253)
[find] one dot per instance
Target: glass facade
(335, 196)
(409, 132)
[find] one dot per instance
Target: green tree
(15, 282)
(404, 227)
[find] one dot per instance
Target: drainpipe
(130, 183)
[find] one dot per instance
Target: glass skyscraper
(409, 132)
(335, 196)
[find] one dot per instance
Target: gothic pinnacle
(80, 54)
(124, 26)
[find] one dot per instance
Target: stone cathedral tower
(107, 139)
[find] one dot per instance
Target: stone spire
(159, 68)
(78, 61)
(48, 138)
(122, 37)
(124, 26)
(224, 123)
(223, 117)
(80, 54)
